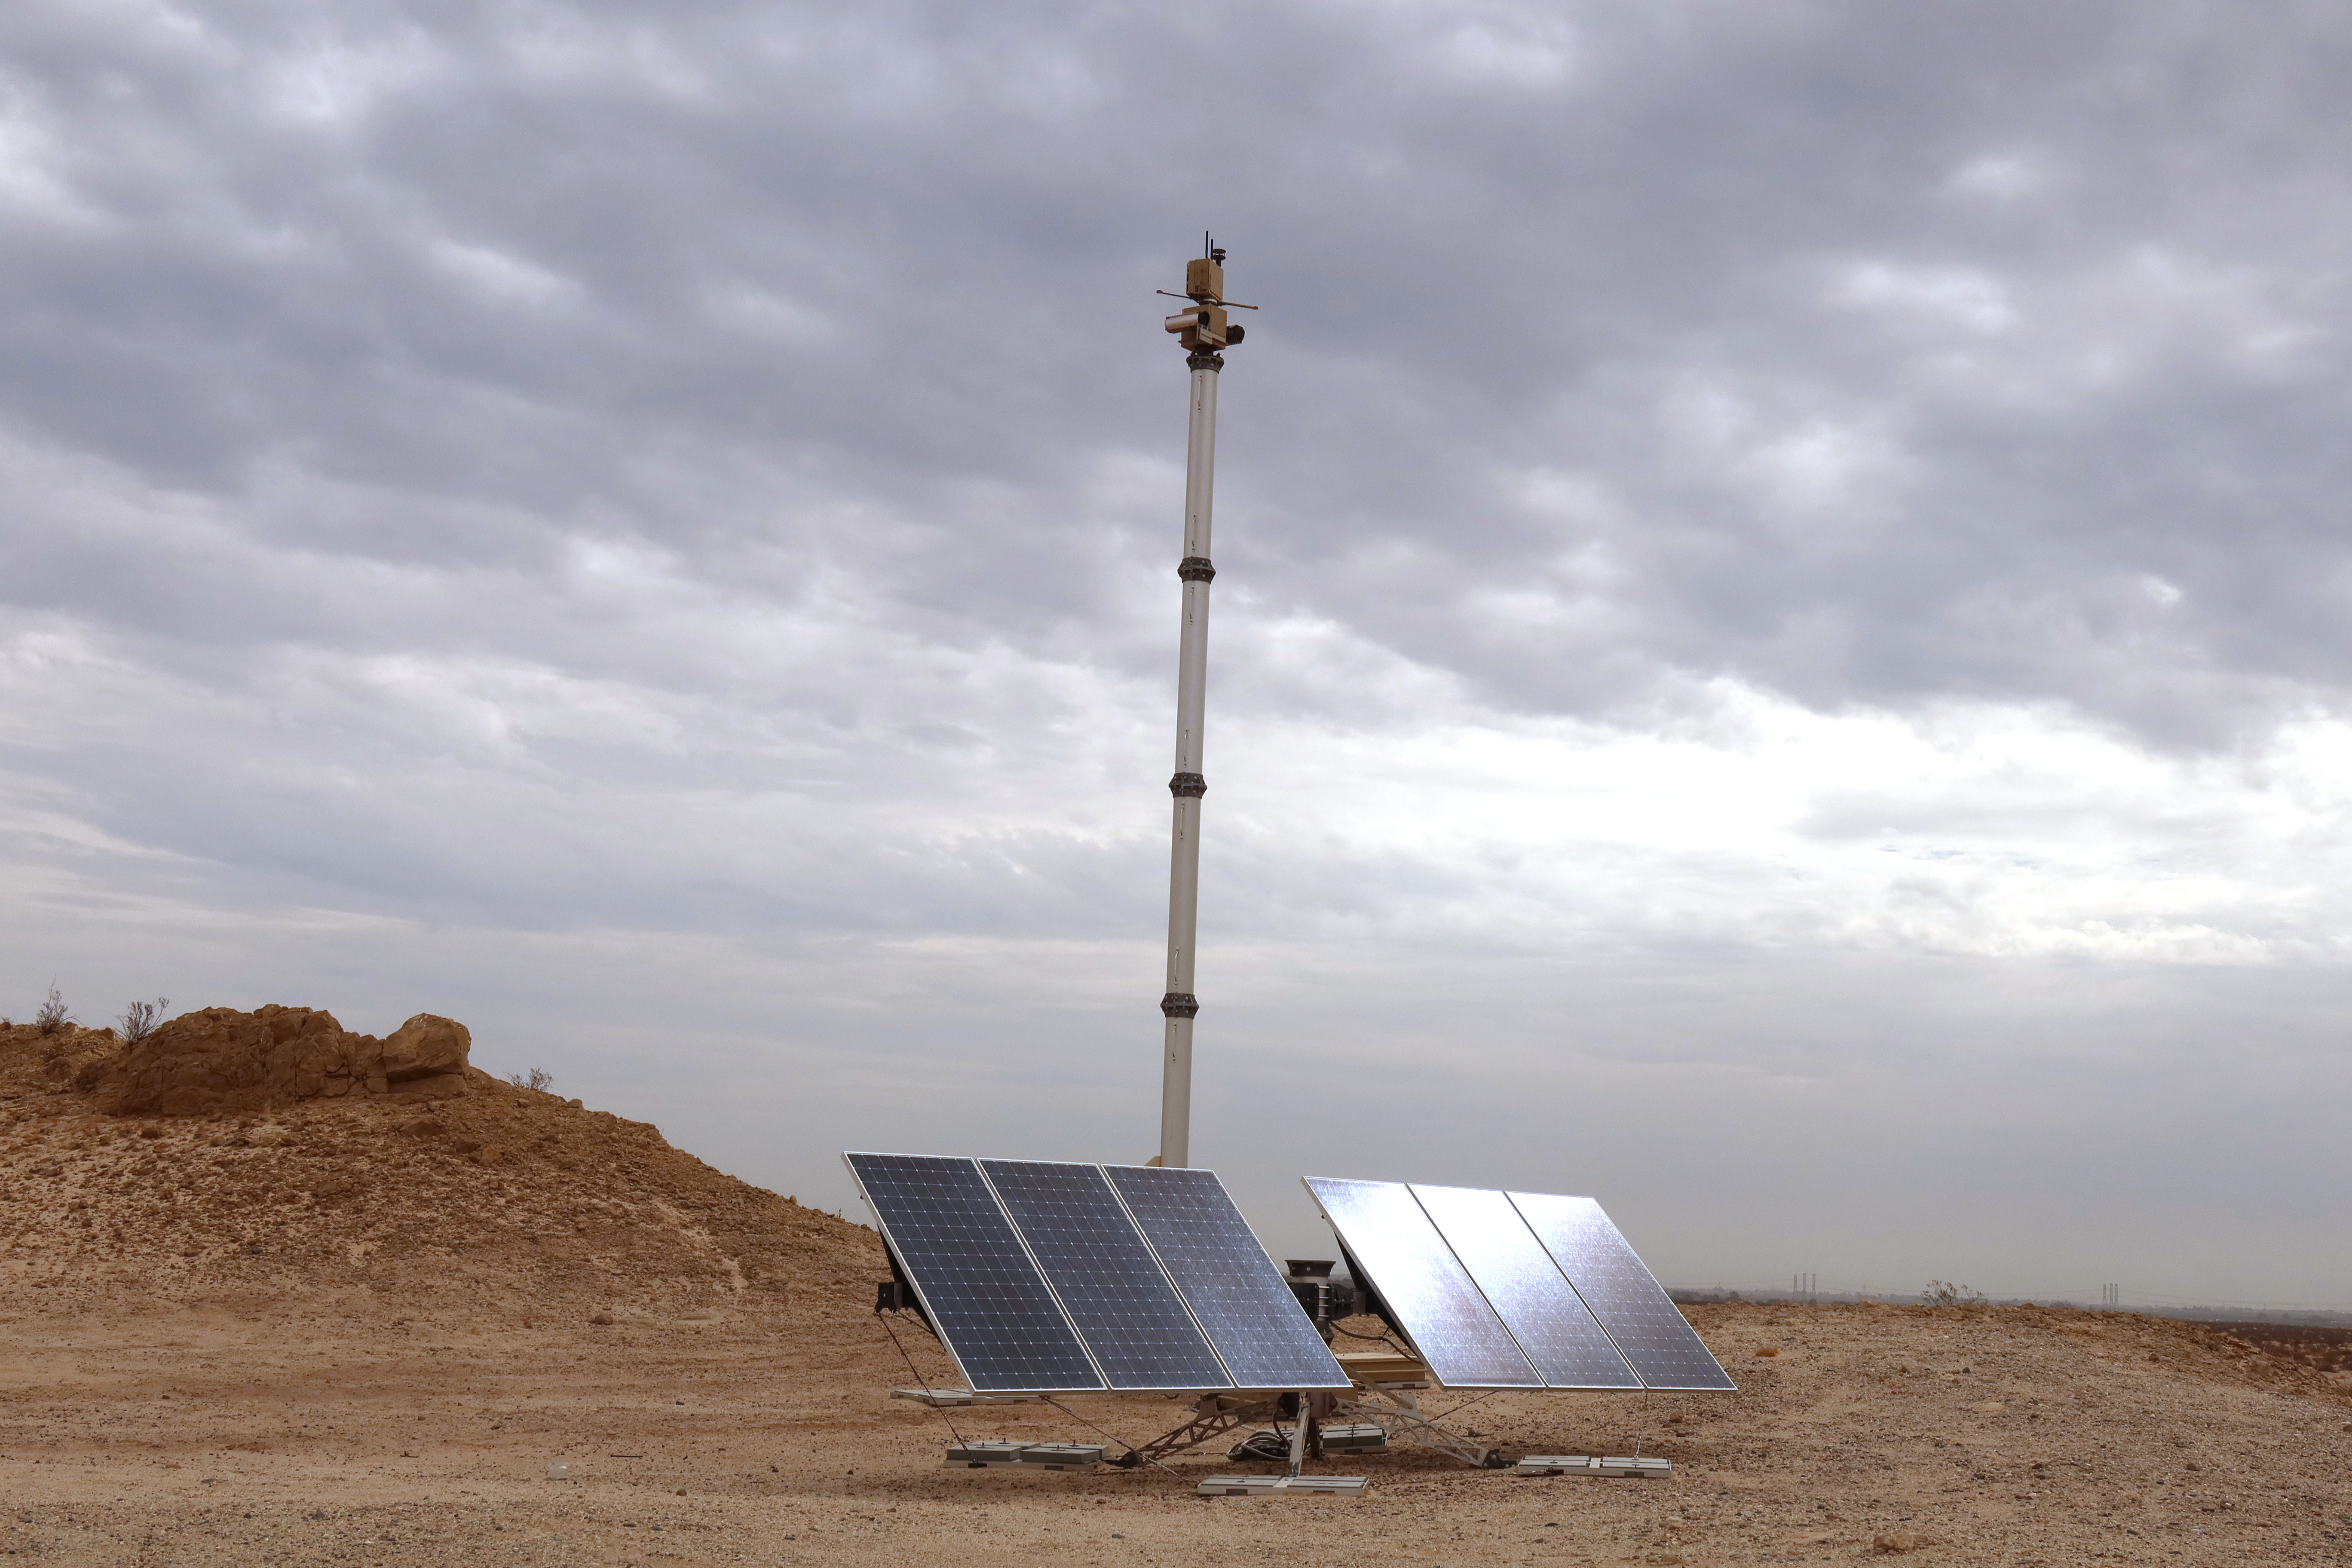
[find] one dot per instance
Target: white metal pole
(1203, 329)
(1178, 1006)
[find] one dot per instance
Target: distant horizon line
(2129, 1300)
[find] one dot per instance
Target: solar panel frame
(1450, 1323)
(1541, 1311)
(981, 1290)
(1239, 1298)
(1625, 1296)
(1110, 1283)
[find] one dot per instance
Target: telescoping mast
(1201, 331)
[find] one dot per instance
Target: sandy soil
(206, 1433)
(204, 1361)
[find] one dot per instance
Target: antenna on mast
(1202, 331)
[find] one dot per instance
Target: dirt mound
(274, 1157)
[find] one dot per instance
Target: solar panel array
(977, 1282)
(1552, 1275)
(1457, 1333)
(1245, 1307)
(1120, 1302)
(1051, 1277)
(1553, 1326)
(1641, 1318)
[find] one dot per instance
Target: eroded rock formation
(218, 1058)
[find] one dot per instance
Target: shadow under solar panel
(984, 1297)
(1109, 1284)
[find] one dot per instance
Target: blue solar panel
(1109, 1282)
(984, 1297)
(1237, 1295)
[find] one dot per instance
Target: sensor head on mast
(1205, 326)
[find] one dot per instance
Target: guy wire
(939, 1409)
(1100, 1432)
(1464, 1405)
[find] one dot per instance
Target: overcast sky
(1783, 651)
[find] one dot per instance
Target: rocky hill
(275, 1156)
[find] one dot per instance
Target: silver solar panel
(1432, 1296)
(984, 1296)
(1525, 1288)
(1237, 1295)
(1109, 1284)
(1641, 1318)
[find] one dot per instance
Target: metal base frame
(1012, 1454)
(1215, 1414)
(957, 1398)
(1285, 1486)
(1395, 1414)
(1398, 1416)
(1619, 1467)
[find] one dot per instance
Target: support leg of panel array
(1214, 1419)
(1414, 1428)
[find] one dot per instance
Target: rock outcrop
(274, 1156)
(427, 1047)
(219, 1059)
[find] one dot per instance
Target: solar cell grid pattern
(1417, 1275)
(1110, 1285)
(1233, 1288)
(1526, 1288)
(1631, 1304)
(985, 1297)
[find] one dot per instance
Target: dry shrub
(140, 1020)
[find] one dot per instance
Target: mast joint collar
(1205, 358)
(1179, 1005)
(1183, 785)
(1196, 569)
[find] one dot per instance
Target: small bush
(52, 1015)
(140, 1020)
(538, 1079)
(1944, 1293)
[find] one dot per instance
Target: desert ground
(288, 1313)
